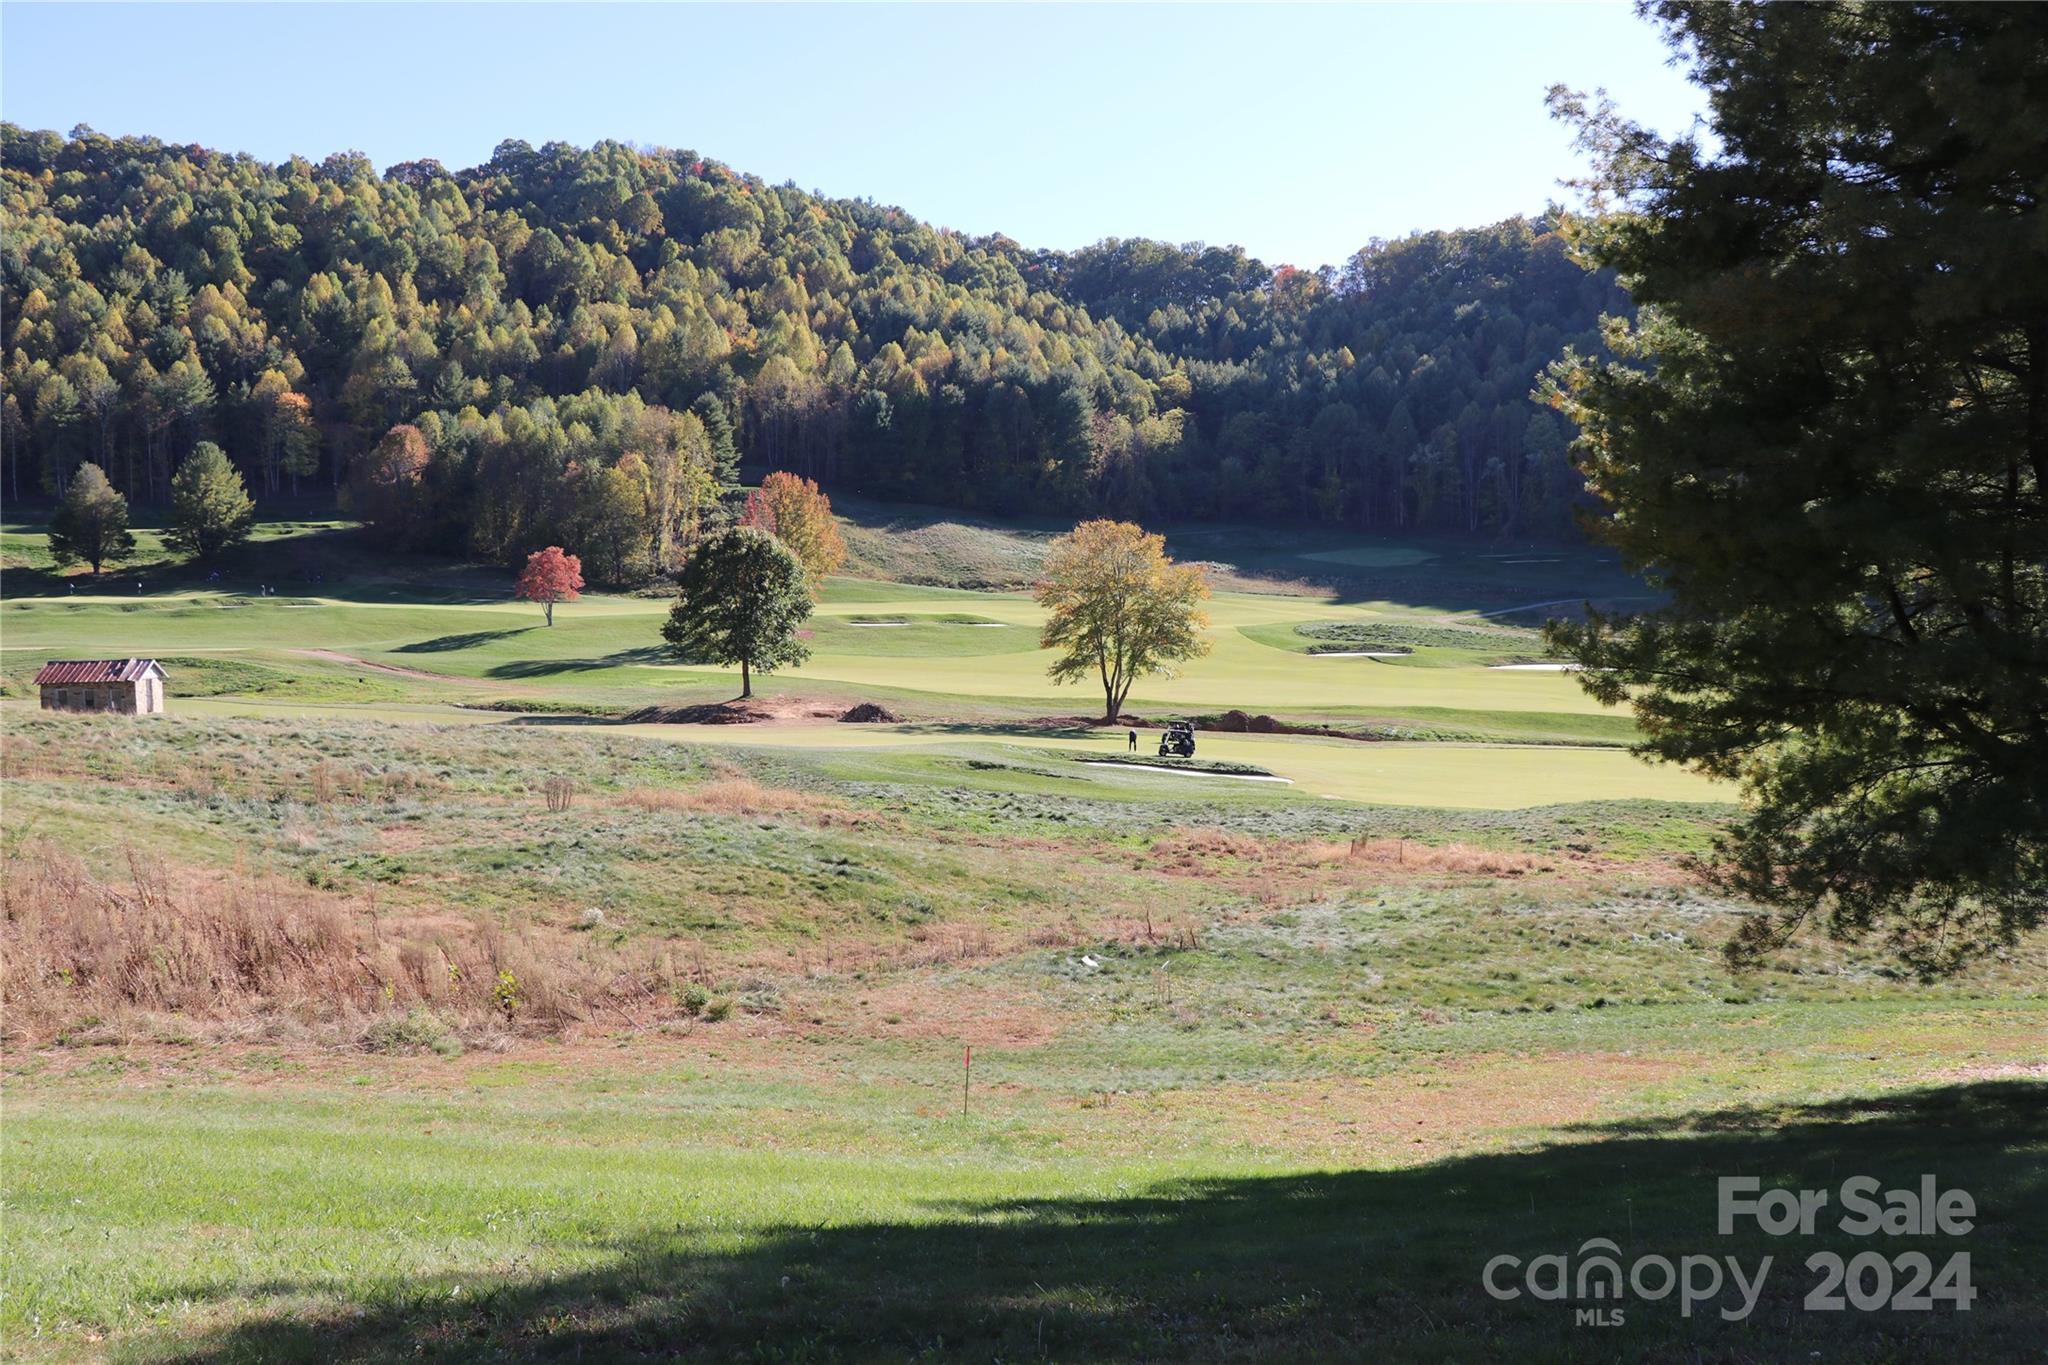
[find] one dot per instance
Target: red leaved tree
(550, 577)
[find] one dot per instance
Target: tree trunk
(1114, 694)
(746, 681)
(549, 608)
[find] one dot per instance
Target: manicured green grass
(462, 624)
(589, 1220)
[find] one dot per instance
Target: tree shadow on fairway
(1345, 1265)
(545, 668)
(444, 644)
(1014, 730)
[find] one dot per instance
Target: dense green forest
(581, 345)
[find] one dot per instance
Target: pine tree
(1827, 438)
(725, 452)
(210, 509)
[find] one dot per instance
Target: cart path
(335, 656)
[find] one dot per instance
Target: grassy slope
(1237, 1094)
(1295, 1131)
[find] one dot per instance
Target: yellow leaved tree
(1119, 608)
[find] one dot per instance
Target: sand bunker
(1188, 772)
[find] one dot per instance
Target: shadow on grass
(1016, 730)
(1325, 1266)
(442, 644)
(289, 556)
(547, 668)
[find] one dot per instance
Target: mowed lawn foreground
(282, 1223)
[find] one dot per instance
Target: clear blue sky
(1297, 132)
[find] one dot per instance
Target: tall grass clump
(156, 941)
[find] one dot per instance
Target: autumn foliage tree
(1119, 608)
(540, 308)
(550, 576)
(794, 511)
(384, 485)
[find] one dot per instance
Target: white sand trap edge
(1534, 668)
(1187, 772)
(876, 625)
(1360, 654)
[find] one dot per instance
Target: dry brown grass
(80, 950)
(1403, 855)
(1199, 852)
(1220, 853)
(734, 793)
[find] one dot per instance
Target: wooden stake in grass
(966, 1077)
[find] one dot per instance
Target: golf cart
(1179, 740)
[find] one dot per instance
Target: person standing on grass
(1134, 741)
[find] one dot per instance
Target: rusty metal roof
(58, 672)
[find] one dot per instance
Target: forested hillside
(579, 346)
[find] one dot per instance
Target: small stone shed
(132, 687)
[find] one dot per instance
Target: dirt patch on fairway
(765, 711)
(1240, 723)
(748, 711)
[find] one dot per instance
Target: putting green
(1372, 556)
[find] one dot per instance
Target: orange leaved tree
(550, 577)
(795, 512)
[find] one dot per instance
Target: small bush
(417, 1030)
(505, 994)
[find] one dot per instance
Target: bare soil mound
(869, 713)
(1126, 721)
(750, 711)
(1241, 723)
